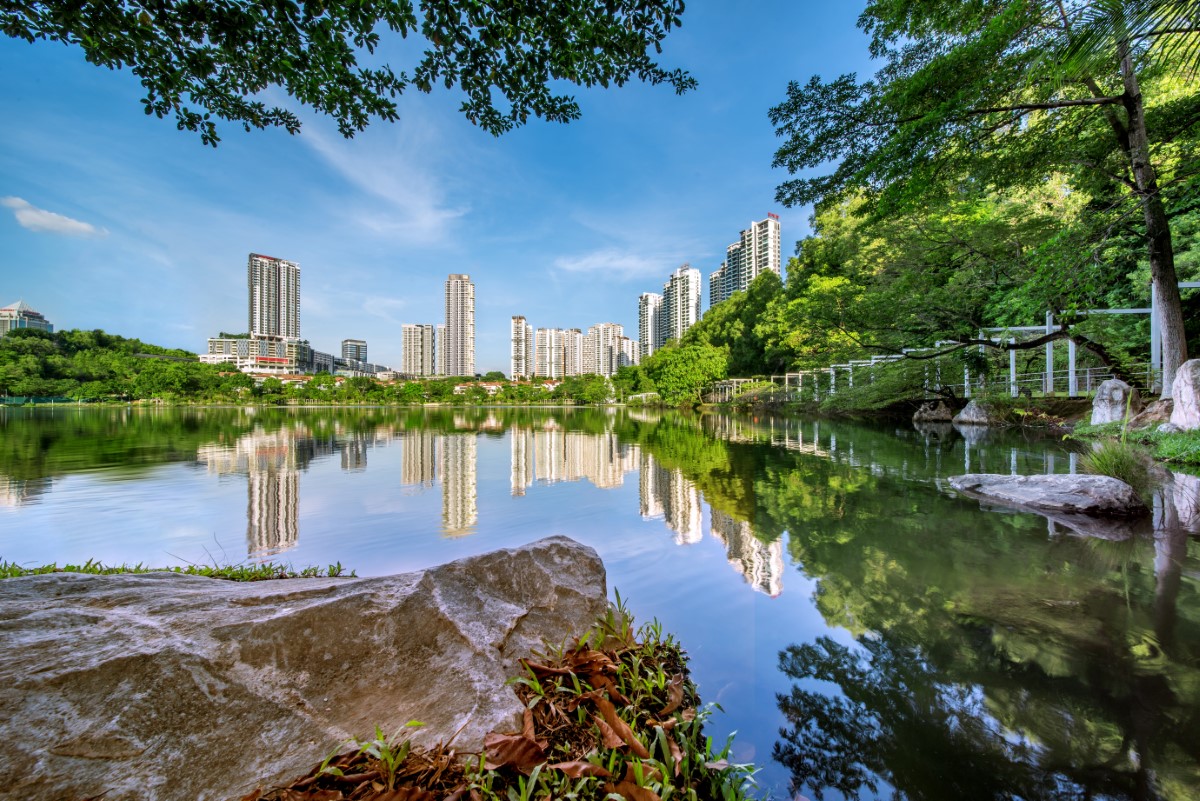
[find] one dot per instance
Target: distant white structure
(22, 315)
(274, 297)
(756, 251)
(523, 348)
(460, 325)
(681, 303)
(649, 323)
(418, 349)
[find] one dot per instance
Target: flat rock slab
(1099, 496)
(163, 686)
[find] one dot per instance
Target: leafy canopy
(208, 60)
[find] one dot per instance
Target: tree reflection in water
(908, 726)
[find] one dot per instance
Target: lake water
(865, 629)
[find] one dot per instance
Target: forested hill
(93, 365)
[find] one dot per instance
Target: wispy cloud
(383, 307)
(623, 265)
(42, 221)
(389, 168)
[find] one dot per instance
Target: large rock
(1155, 413)
(980, 413)
(1101, 496)
(933, 413)
(164, 686)
(1115, 401)
(1186, 412)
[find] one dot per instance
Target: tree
(682, 372)
(210, 60)
(984, 94)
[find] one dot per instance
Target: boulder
(980, 413)
(933, 413)
(1156, 412)
(1186, 412)
(164, 686)
(1115, 402)
(1101, 496)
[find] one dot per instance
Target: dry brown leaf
(621, 728)
(608, 737)
(676, 754)
(253, 795)
(579, 768)
(517, 750)
(406, 793)
(674, 696)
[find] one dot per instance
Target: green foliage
(256, 572)
(734, 327)
(681, 373)
(205, 61)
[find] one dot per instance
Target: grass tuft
(1122, 460)
(260, 572)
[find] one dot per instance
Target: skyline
(107, 213)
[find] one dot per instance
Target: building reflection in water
(460, 508)
(19, 491)
(428, 457)
(548, 455)
(272, 462)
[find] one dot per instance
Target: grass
(1182, 447)
(612, 715)
(1127, 461)
(260, 572)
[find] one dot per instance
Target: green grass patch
(1124, 460)
(260, 572)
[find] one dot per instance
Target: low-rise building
(22, 315)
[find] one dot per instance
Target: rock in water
(933, 413)
(978, 413)
(164, 686)
(1186, 411)
(1102, 496)
(1114, 402)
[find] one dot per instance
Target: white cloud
(395, 167)
(42, 221)
(623, 265)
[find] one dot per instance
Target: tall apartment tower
(439, 349)
(274, 295)
(602, 348)
(460, 325)
(649, 323)
(355, 349)
(548, 353)
(756, 251)
(681, 303)
(522, 348)
(418, 349)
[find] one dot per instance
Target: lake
(865, 629)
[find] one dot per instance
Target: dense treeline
(1008, 159)
(96, 366)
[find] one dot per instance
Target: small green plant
(389, 751)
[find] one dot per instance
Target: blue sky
(114, 220)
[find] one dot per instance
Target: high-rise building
(573, 353)
(548, 353)
(460, 325)
(22, 315)
(439, 349)
(649, 322)
(418, 349)
(602, 348)
(756, 251)
(274, 297)
(522, 348)
(355, 350)
(681, 303)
